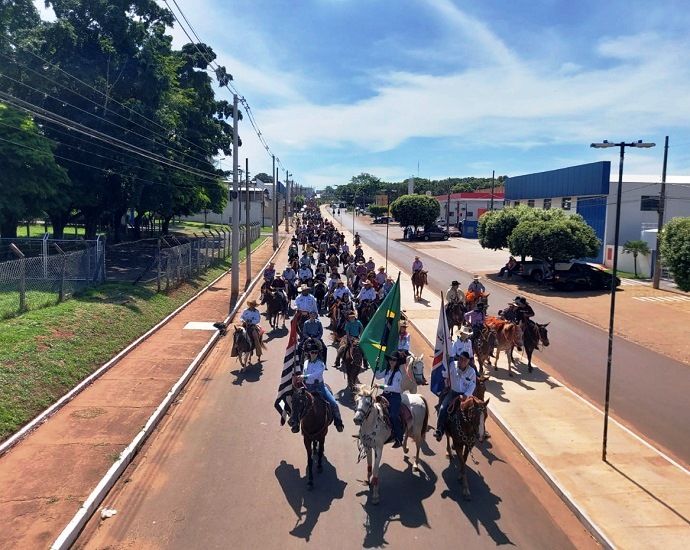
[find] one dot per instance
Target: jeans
(394, 400)
(320, 386)
(443, 411)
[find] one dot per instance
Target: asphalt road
(221, 472)
(648, 390)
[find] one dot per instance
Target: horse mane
(364, 391)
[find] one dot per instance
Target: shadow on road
(494, 385)
(309, 505)
(483, 509)
(402, 495)
(251, 374)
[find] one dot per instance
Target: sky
(451, 88)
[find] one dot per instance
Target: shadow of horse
(405, 493)
(251, 374)
(308, 506)
(484, 508)
(275, 333)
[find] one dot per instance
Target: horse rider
(454, 295)
(359, 253)
(251, 318)
(353, 329)
(462, 383)
(280, 287)
(417, 265)
(270, 273)
(357, 239)
(381, 276)
(289, 274)
(333, 281)
(344, 247)
(370, 265)
(341, 291)
(511, 314)
(463, 343)
(476, 319)
(524, 310)
(391, 391)
(305, 274)
(345, 307)
(475, 286)
(367, 293)
(305, 302)
(386, 287)
(403, 338)
(312, 375)
(305, 260)
(360, 268)
(313, 328)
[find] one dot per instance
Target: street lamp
(605, 145)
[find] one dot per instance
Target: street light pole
(619, 192)
(660, 221)
(448, 206)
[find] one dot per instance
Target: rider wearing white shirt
(305, 302)
(391, 391)
(341, 291)
(289, 274)
(476, 286)
(403, 338)
(251, 316)
(463, 380)
(367, 293)
(305, 273)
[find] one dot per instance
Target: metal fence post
(63, 270)
(22, 277)
(158, 277)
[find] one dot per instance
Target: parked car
(573, 275)
(533, 269)
(434, 233)
(383, 219)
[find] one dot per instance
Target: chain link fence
(36, 273)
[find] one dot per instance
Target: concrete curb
(71, 532)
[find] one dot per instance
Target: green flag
(381, 335)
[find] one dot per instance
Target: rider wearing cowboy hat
(313, 380)
(305, 302)
(462, 383)
(417, 265)
(391, 391)
(251, 318)
(403, 338)
(475, 286)
(353, 329)
(454, 295)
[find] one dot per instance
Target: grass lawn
(45, 353)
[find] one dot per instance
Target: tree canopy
(675, 251)
(377, 210)
(415, 210)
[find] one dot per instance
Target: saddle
(405, 413)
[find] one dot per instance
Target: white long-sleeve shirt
(404, 342)
(461, 381)
(314, 371)
(250, 316)
(367, 294)
(340, 292)
(305, 273)
(459, 346)
(306, 303)
(392, 384)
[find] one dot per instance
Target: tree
(263, 176)
(495, 227)
(298, 202)
(415, 210)
(675, 250)
(635, 248)
(377, 210)
(558, 239)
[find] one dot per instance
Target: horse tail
(425, 423)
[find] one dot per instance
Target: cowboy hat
(367, 282)
(465, 330)
(455, 283)
(252, 303)
(382, 268)
(302, 288)
(464, 354)
(516, 304)
(476, 278)
(402, 323)
(351, 314)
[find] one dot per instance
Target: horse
(418, 281)
(291, 291)
(464, 426)
(413, 374)
(367, 311)
(532, 335)
(312, 414)
(483, 346)
(474, 298)
(242, 346)
(455, 315)
(333, 262)
(352, 362)
(275, 307)
(374, 429)
(320, 292)
(345, 259)
(508, 336)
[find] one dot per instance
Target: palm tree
(635, 248)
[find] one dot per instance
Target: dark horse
(455, 314)
(352, 361)
(465, 425)
(419, 280)
(320, 292)
(312, 414)
(533, 334)
(367, 312)
(275, 307)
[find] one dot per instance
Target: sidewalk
(637, 499)
(45, 479)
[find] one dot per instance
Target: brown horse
(455, 315)
(419, 280)
(474, 298)
(275, 307)
(465, 425)
(312, 414)
(508, 336)
(367, 311)
(533, 334)
(352, 361)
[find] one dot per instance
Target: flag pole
(378, 357)
(445, 347)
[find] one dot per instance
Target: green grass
(71, 232)
(627, 275)
(45, 353)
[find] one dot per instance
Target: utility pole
(448, 206)
(287, 201)
(660, 222)
(493, 174)
(275, 206)
(235, 285)
(247, 227)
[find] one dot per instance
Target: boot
(338, 422)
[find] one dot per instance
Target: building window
(470, 214)
(565, 203)
(516, 203)
(530, 203)
(649, 203)
(547, 204)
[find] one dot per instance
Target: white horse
(413, 374)
(374, 431)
